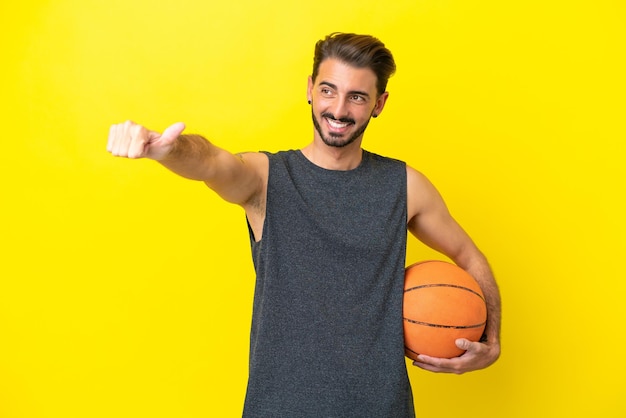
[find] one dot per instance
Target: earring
(374, 115)
(309, 101)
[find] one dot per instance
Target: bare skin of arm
(239, 179)
(431, 222)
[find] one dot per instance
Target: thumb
(171, 133)
(463, 344)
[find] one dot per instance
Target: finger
(432, 364)
(433, 361)
(428, 367)
(463, 344)
(469, 346)
(137, 141)
(439, 365)
(172, 133)
(111, 138)
(119, 147)
(117, 133)
(158, 144)
(126, 137)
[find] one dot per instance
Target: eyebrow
(333, 86)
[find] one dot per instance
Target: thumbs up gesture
(131, 140)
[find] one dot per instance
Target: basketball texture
(442, 302)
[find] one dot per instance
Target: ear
(380, 104)
(309, 90)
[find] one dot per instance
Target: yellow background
(125, 291)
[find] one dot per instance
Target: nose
(339, 108)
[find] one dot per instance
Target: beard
(338, 141)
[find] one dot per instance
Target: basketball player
(328, 234)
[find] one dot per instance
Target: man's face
(343, 100)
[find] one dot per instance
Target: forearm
(479, 268)
(234, 178)
(191, 157)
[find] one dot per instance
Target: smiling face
(344, 98)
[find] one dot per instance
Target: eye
(326, 91)
(357, 98)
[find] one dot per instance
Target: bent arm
(431, 222)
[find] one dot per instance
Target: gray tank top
(327, 338)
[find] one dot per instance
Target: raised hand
(132, 140)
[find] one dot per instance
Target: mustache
(332, 117)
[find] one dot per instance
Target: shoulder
(421, 193)
(383, 164)
(382, 159)
(415, 178)
(258, 161)
(268, 157)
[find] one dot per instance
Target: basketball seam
(412, 351)
(456, 286)
(428, 324)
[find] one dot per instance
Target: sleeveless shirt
(326, 336)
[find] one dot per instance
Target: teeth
(337, 125)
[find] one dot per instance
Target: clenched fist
(132, 140)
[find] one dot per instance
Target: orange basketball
(442, 302)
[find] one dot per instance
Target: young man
(328, 232)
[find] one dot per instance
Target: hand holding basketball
(132, 140)
(442, 303)
(477, 356)
(444, 318)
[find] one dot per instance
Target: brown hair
(361, 51)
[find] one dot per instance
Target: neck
(334, 158)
